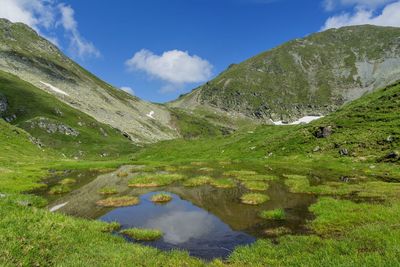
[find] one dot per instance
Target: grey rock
(344, 152)
(11, 118)
(53, 127)
(316, 149)
(323, 132)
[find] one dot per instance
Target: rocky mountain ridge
(312, 76)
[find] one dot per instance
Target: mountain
(310, 76)
(366, 129)
(32, 58)
(55, 126)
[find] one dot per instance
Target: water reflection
(185, 226)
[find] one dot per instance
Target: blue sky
(162, 48)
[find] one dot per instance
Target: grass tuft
(276, 214)
(255, 185)
(161, 198)
(197, 181)
(254, 198)
(154, 180)
(108, 191)
(142, 234)
(118, 201)
(59, 189)
(67, 181)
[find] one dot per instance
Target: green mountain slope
(55, 125)
(310, 76)
(367, 129)
(32, 58)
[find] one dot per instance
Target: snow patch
(55, 89)
(57, 207)
(306, 119)
(150, 115)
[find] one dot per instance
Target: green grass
(111, 227)
(254, 198)
(142, 234)
(123, 201)
(223, 183)
(108, 191)
(198, 181)
(276, 214)
(42, 238)
(255, 185)
(67, 181)
(154, 180)
(59, 189)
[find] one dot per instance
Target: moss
(108, 191)
(223, 183)
(142, 234)
(197, 181)
(118, 201)
(67, 181)
(161, 198)
(277, 214)
(255, 185)
(59, 189)
(254, 198)
(154, 180)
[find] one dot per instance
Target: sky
(159, 49)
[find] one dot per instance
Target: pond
(206, 221)
(184, 225)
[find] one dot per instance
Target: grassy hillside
(308, 76)
(368, 128)
(56, 125)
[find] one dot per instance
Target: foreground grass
(50, 239)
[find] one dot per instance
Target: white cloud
(389, 16)
(332, 4)
(46, 15)
(78, 45)
(174, 67)
(128, 89)
(34, 13)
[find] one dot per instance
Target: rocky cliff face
(25, 54)
(310, 76)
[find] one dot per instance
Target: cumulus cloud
(388, 16)
(128, 89)
(174, 67)
(47, 15)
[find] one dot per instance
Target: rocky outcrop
(53, 127)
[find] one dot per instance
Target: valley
(257, 173)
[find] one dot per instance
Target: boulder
(344, 152)
(323, 132)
